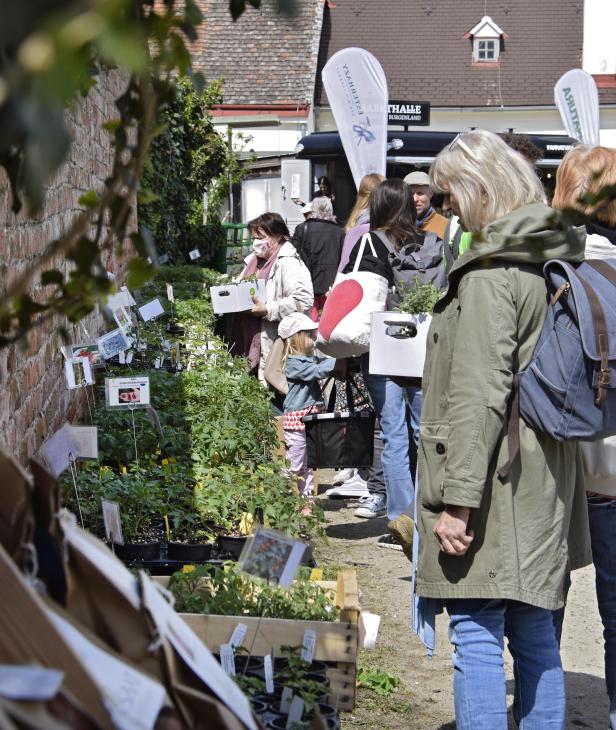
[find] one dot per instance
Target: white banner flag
(357, 92)
(577, 100)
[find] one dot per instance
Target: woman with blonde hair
(359, 218)
(585, 171)
(494, 551)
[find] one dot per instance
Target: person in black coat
(319, 243)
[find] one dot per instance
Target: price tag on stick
(269, 674)
(113, 524)
(308, 644)
(227, 659)
(237, 637)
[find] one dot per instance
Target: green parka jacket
(484, 329)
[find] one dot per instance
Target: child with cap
(303, 372)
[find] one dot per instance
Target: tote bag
(344, 329)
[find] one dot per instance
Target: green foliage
(383, 683)
(185, 159)
(210, 589)
(418, 298)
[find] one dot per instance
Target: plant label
(194, 254)
(296, 710)
(237, 637)
(89, 350)
(112, 343)
(128, 297)
(227, 659)
(371, 623)
(86, 441)
(59, 450)
(269, 674)
(272, 556)
(133, 699)
(78, 372)
(194, 652)
(285, 700)
(129, 357)
(310, 639)
(122, 358)
(123, 298)
(151, 310)
(29, 683)
(170, 296)
(113, 524)
(123, 318)
(157, 363)
(127, 392)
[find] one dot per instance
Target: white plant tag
(308, 644)
(237, 637)
(130, 356)
(269, 674)
(122, 358)
(285, 700)
(133, 699)
(227, 659)
(151, 310)
(157, 363)
(21, 682)
(371, 623)
(194, 254)
(113, 524)
(295, 711)
(170, 296)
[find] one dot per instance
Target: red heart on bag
(343, 299)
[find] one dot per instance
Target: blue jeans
(602, 520)
(389, 402)
(477, 628)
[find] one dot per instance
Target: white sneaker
(342, 476)
(353, 487)
(372, 506)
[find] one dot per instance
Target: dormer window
(487, 39)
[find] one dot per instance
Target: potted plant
(398, 339)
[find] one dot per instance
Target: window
(486, 50)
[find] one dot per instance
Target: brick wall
(34, 400)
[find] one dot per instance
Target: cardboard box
(398, 344)
(236, 297)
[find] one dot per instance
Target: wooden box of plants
(337, 640)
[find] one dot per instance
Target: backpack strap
(604, 269)
(388, 244)
(601, 340)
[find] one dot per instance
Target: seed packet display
(113, 343)
(78, 372)
(272, 556)
(127, 392)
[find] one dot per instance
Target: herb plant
(419, 298)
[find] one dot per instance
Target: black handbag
(340, 439)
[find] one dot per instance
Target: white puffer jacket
(288, 289)
(600, 456)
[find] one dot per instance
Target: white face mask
(260, 247)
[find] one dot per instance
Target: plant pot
(174, 329)
(138, 551)
(280, 723)
(232, 546)
(316, 670)
(189, 553)
(252, 665)
(258, 706)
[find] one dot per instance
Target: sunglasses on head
(459, 142)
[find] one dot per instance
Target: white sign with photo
(113, 343)
(59, 450)
(123, 319)
(272, 556)
(78, 372)
(127, 392)
(87, 349)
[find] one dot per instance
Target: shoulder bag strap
(603, 268)
(360, 253)
(388, 244)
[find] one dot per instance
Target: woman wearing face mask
(288, 285)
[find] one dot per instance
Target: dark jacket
(319, 243)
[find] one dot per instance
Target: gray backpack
(425, 262)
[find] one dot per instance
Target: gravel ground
(423, 699)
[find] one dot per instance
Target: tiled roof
(425, 57)
(264, 57)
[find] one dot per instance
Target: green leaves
(139, 271)
(383, 683)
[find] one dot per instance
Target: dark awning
(421, 147)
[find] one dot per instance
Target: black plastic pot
(189, 553)
(231, 546)
(138, 551)
(174, 329)
(258, 706)
(280, 723)
(317, 670)
(252, 665)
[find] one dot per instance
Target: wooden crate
(337, 642)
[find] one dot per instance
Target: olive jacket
(530, 528)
